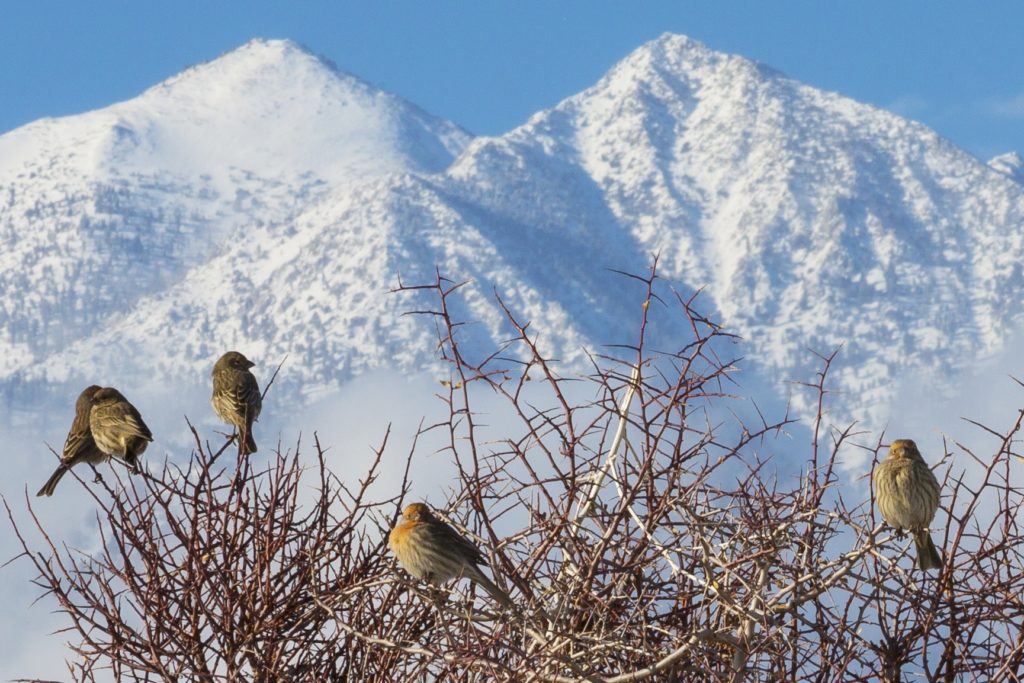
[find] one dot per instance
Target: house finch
(236, 395)
(79, 446)
(431, 550)
(908, 496)
(117, 427)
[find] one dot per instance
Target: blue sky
(489, 65)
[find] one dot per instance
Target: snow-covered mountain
(267, 201)
(100, 211)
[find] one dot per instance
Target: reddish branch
(642, 539)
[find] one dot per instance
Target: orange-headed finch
(431, 550)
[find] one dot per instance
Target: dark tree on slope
(642, 535)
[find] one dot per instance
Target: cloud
(1008, 107)
(909, 106)
(350, 425)
(986, 393)
(938, 418)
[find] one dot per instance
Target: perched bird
(908, 496)
(79, 446)
(117, 427)
(236, 396)
(431, 550)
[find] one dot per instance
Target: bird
(908, 497)
(117, 427)
(79, 446)
(431, 550)
(236, 396)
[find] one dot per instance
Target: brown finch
(431, 550)
(236, 396)
(117, 427)
(908, 496)
(79, 446)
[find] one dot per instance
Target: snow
(106, 211)
(1010, 165)
(268, 201)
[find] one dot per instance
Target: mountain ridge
(133, 198)
(812, 220)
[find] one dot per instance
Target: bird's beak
(249, 364)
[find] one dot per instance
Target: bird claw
(438, 596)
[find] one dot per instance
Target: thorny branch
(645, 529)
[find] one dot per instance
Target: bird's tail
(499, 595)
(131, 460)
(250, 443)
(51, 484)
(928, 556)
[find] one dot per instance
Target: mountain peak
(271, 107)
(273, 49)
(810, 220)
(258, 61)
(677, 42)
(791, 206)
(684, 56)
(214, 154)
(276, 47)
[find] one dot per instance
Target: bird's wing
(250, 395)
(125, 416)
(139, 425)
(238, 393)
(79, 439)
(468, 549)
(77, 443)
